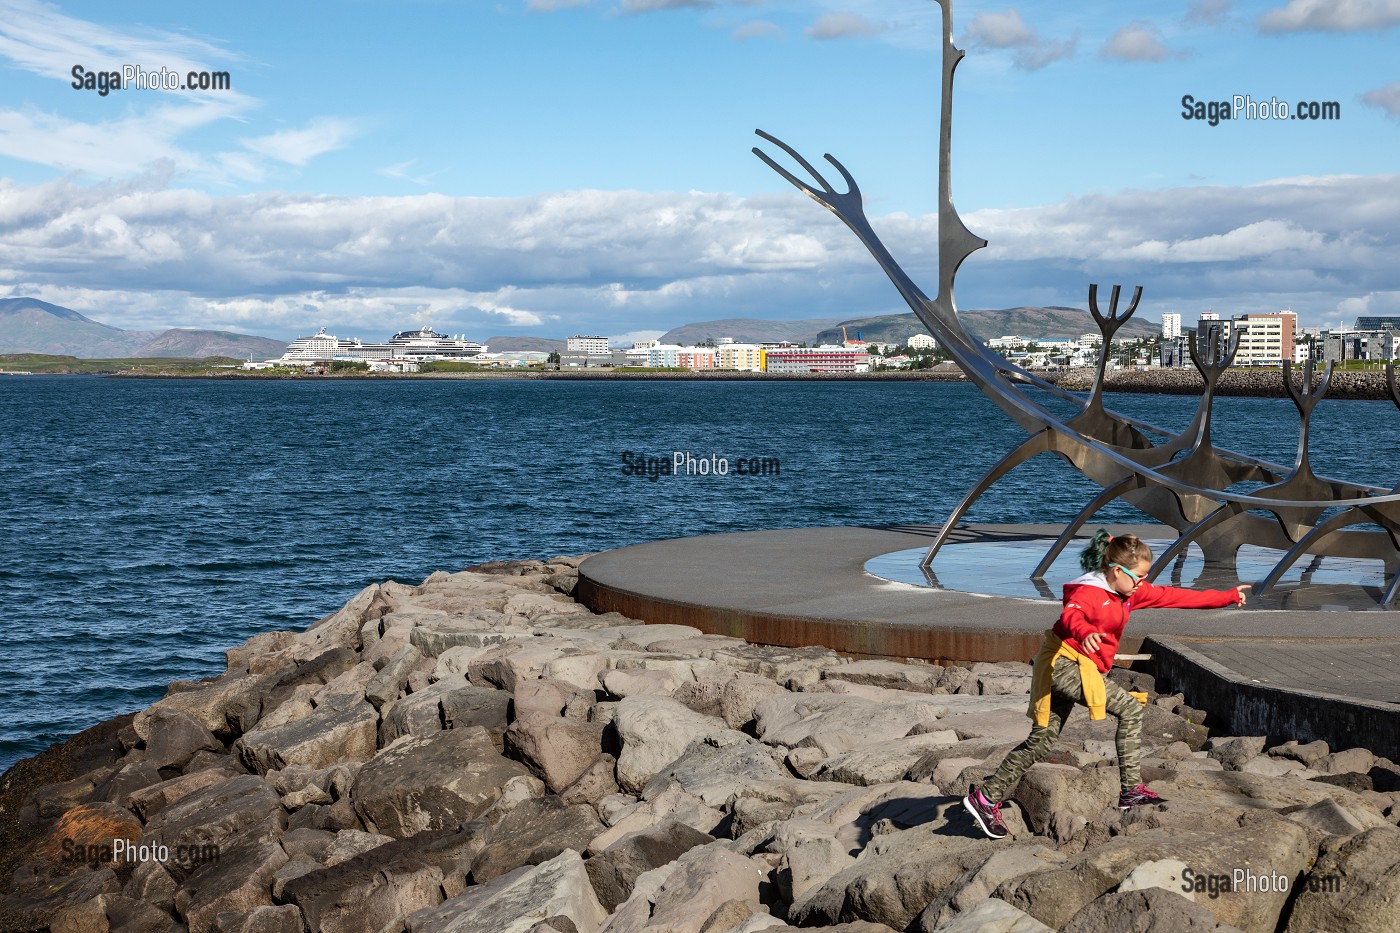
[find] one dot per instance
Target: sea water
(151, 524)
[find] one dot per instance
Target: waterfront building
(577, 359)
(1267, 339)
(1171, 326)
(823, 359)
(1377, 322)
(745, 357)
(696, 358)
(1340, 346)
(674, 356)
(595, 346)
(922, 342)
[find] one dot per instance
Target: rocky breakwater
(1262, 382)
(481, 753)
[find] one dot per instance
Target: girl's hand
(1241, 591)
(1092, 641)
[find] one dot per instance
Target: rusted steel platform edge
(936, 642)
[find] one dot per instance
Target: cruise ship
(424, 345)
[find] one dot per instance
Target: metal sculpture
(1182, 480)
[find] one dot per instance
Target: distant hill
(28, 325)
(524, 345)
(31, 326)
(183, 342)
(1037, 323)
(748, 330)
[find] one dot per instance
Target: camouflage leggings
(1066, 690)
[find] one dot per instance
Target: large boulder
(556, 750)
(882, 764)
(837, 723)
(1149, 910)
(896, 876)
(533, 831)
(655, 732)
(516, 902)
(673, 803)
(373, 890)
(993, 916)
(329, 735)
(173, 737)
(1059, 800)
(212, 816)
(718, 767)
(1355, 887)
(894, 675)
(432, 782)
(976, 886)
(238, 880)
(615, 870)
(690, 890)
(1265, 848)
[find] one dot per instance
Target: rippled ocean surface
(151, 524)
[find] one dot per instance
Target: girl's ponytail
(1104, 549)
(1091, 558)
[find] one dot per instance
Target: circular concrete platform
(1287, 674)
(808, 586)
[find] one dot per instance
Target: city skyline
(564, 166)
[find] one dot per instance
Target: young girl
(1070, 666)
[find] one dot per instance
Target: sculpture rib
(1190, 494)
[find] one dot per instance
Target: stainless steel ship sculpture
(1181, 480)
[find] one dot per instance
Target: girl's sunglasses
(1131, 576)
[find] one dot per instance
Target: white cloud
(759, 29)
(546, 5)
(1135, 43)
(1208, 12)
(841, 25)
(40, 38)
(143, 254)
(999, 30)
(147, 128)
(1387, 98)
(1009, 31)
(651, 6)
(297, 147)
(625, 341)
(1331, 16)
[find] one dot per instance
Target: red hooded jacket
(1092, 605)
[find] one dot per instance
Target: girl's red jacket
(1092, 605)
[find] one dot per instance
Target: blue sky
(552, 167)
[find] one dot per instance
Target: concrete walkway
(808, 586)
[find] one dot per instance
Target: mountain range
(1036, 323)
(28, 325)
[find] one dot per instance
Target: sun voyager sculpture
(1180, 479)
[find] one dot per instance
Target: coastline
(1261, 383)
(481, 753)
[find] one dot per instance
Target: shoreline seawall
(1263, 383)
(480, 752)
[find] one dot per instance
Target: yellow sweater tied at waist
(1095, 693)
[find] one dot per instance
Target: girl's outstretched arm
(1151, 596)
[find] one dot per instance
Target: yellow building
(745, 357)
